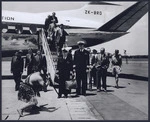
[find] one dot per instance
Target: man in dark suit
(52, 24)
(46, 27)
(63, 35)
(40, 65)
(53, 18)
(102, 66)
(17, 64)
(81, 61)
(40, 62)
(29, 62)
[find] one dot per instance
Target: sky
(136, 42)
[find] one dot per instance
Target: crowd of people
(36, 80)
(88, 67)
(55, 33)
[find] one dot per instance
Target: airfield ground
(129, 102)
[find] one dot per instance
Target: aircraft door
(33, 29)
(19, 29)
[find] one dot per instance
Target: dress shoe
(105, 90)
(59, 96)
(98, 90)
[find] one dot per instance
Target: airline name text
(8, 18)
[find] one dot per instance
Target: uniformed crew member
(102, 66)
(81, 62)
(17, 64)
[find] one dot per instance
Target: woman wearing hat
(64, 66)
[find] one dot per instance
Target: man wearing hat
(17, 65)
(64, 67)
(81, 61)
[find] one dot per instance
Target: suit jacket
(81, 60)
(93, 59)
(29, 61)
(17, 64)
(47, 22)
(40, 63)
(63, 37)
(102, 61)
(64, 66)
(51, 18)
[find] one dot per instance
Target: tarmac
(128, 102)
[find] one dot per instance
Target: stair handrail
(49, 59)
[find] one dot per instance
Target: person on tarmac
(101, 67)
(93, 69)
(116, 66)
(64, 67)
(17, 65)
(81, 62)
(29, 62)
(28, 91)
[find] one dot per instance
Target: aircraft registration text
(93, 12)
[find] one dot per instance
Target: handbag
(71, 84)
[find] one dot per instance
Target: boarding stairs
(51, 57)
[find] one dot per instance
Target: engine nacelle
(19, 28)
(33, 29)
(4, 28)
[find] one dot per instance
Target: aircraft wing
(127, 18)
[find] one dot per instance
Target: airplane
(95, 23)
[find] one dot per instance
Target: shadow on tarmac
(90, 94)
(129, 76)
(115, 86)
(37, 109)
(126, 76)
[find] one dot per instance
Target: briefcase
(71, 84)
